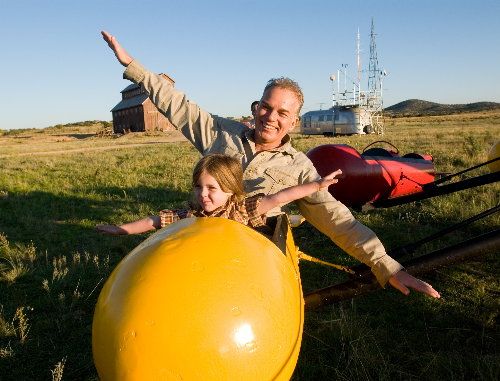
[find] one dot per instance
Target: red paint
(377, 174)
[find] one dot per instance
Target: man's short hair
(288, 84)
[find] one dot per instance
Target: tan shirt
(267, 172)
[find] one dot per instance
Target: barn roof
(130, 87)
(130, 102)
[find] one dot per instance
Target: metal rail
(367, 283)
(448, 177)
(439, 190)
(410, 248)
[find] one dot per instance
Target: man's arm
(197, 125)
(123, 57)
(334, 219)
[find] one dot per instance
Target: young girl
(218, 192)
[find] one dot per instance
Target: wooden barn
(136, 112)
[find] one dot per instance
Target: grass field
(57, 184)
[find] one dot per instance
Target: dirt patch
(45, 144)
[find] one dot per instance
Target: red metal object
(376, 174)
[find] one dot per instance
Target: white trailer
(337, 120)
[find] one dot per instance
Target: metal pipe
(410, 248)
(446, 256)
(439, 190)
(448, 177)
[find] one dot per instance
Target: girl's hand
(328, 180)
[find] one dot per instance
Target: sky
(58, 70)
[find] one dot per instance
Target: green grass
(53, 264)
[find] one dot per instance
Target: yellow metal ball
(493, 154)
(203, 299)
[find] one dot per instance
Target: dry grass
(56, 185)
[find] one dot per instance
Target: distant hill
(417, 107)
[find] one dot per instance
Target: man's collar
(285, 147)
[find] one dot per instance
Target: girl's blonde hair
(226, 170)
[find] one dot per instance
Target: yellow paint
(310, 258)
(493, 154)
(203, 299)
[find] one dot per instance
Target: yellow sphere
(203, 299)
(493, 154)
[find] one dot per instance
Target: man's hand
(402, 281)
(120, 53)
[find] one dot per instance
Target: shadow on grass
(59, 289)
(62, 223)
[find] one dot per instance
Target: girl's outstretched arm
(288, 195)
(136, 227)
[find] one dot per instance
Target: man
(269, 161)
(253, 109)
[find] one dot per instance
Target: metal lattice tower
(367, 104)
(374, 96)
(373, 71)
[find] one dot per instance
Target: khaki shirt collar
(285, 147)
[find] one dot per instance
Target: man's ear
(296, 122)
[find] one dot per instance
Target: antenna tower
(374, 98)
(358, 57)
(373, 71)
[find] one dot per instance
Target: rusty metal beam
(457, 253)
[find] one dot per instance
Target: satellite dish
(332, 77)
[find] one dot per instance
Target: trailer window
(321, 118)
(329, 118)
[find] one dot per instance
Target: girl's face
(209, 194)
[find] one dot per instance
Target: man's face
(275, 116)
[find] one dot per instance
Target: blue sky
(57, 68)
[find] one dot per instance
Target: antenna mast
(374, 96)
(358, 61)
(374, 99)
(358, 56)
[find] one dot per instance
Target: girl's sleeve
(251, 206)
(168, 216)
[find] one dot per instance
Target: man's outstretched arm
(121, 54)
